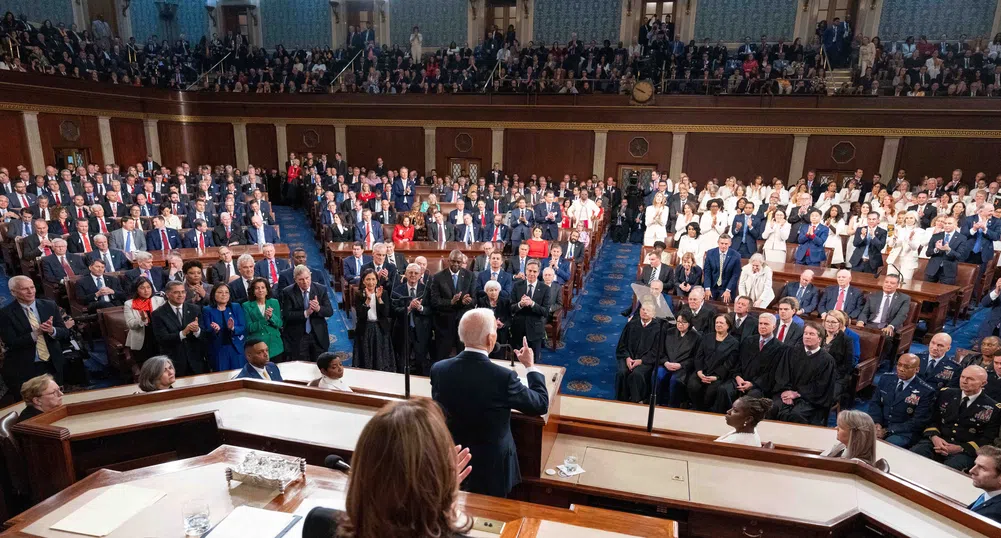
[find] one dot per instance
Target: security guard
(963, 420)
(902, 405)
(937, 369)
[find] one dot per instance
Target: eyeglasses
(58, 390)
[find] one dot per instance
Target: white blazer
(137, 329)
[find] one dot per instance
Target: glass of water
(570, 462)
(196, 517)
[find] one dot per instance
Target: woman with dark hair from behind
(744, 417)
(157, 373)
(404, 482)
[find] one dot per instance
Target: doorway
(635, 175)
(501, 13)
(464, 167)
(842, 9)
(70, 158)
(107, 9)
(236, 19)
(838, 176)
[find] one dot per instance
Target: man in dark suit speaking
(477, 397)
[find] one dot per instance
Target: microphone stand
(653, 399)
(406, 346)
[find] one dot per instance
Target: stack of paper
(109, 510)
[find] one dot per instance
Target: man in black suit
(385, 214)
(305, 309)
(228, 233)
(81, 241)
(385, 271)
(477, 397)
(986, 475)
(482, 261)
(654, 269)
(745, 322)
(945, 250)
(701, 315)
(176, 329)
(239, 289)
(886, 310)
(413, 320)
(114, 260)
(32, 330)
(622, 220)
(789, 331)
(440, 231)
(804, 291)
(530, 308)
(516, 265)
(799, 214)
(814, 185)
(452, 294)
(869, 242)
(40, 242)
(574, 249)
(97, 290)
(144, 269)
(54, 266)
(926, 212)
(612, 192)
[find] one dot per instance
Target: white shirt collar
(260, 371)
(483, 352)
(973, 398)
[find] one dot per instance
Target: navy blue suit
(351, 269)
(460, 233)
(190, 241)
(550, 229)
(905, 414)
(250, 372)
(503, 278)
(984, 252)
(943, 265)
(563, 270)
(487, 233)
(376, 232)
(992, 325)
(876, 242)
(990, 509)
(262, 268)
(809, 299)
(155, 242)
(402, 201)
(943, 375)
(269, 234)
(730, 271)
(745, 239)
(477, 397)
(814, 246)
(854, 300)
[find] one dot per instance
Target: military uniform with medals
(904, 414)
(971, 427)
(945, 374)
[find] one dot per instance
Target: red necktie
(368, 234)
(274, 272)
(47, 251)
(24, 201)
(66, 268)
(104, 227)
(496, 230)
(761, 344)
(86, 242)
(201, 240)
(163, 238)
(841, 300)
(496, 206)
(227, 232)
(79, 213)
(56, 196)
(483, 220)
(782, 333)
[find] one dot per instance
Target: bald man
(963, 420)
(938, 369)
(902, 404)
(477, 397)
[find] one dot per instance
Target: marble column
(677, 154)
(34, 138)
(888, 160)
(240, 141)
(430, 148)
(152, 139)
(600, 149)
(107, 146)
(281, 138)
(798, 160)
(497, 146)
(341, 140)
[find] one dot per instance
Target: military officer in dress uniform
(902, 404)
(937, 369)
(963, 420)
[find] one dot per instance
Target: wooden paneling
(13, 146)
(710, 155)
(196, 143)
(868, 151)
(79, 132)
(446, 147)
(129, 139)
(262, 145)
(658, 152)
(552, 153)
(398, 146)
(940, 156)
(310, 138)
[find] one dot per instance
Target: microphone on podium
(336, 463)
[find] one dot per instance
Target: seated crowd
(500, 62)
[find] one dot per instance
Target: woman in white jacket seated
(776, 234)
(756, 282)
(138, 313)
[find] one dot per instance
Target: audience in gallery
(501, 63)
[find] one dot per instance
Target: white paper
(309, 504)
(109, 510)
(248, 522)
(552, 529)
(567, 472)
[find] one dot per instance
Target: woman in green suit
(264, 318)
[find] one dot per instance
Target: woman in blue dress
(224, 323)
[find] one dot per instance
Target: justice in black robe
(755, 364)
(637, 342)
(714, 359)
(679, 348)
(813, 377)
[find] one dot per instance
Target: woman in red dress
(566, 222)
(366, 195)
(403, 233)
(537, 246)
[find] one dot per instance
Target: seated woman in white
(756, 282)
(856, 437)
(691, 242)
(744, 417)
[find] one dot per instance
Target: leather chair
(114, 332)
(17, 494)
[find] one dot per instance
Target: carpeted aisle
(297, 232)
(588, 351)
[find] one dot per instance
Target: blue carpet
(297, 232)
(588, 348)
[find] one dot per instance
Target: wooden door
(464, 167)
(842, 9)
(107, 9)
(501, 13)
(71, 157)
(235, 19)
(658, 11)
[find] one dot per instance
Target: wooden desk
(127, 432)
(337, 251)
(211, 254)
(204, 478)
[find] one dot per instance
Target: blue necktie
(455, 281)
(976, 246)
(747, 222)
(947, 238)
(979, 502)
(128, 241)
(305, 304)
